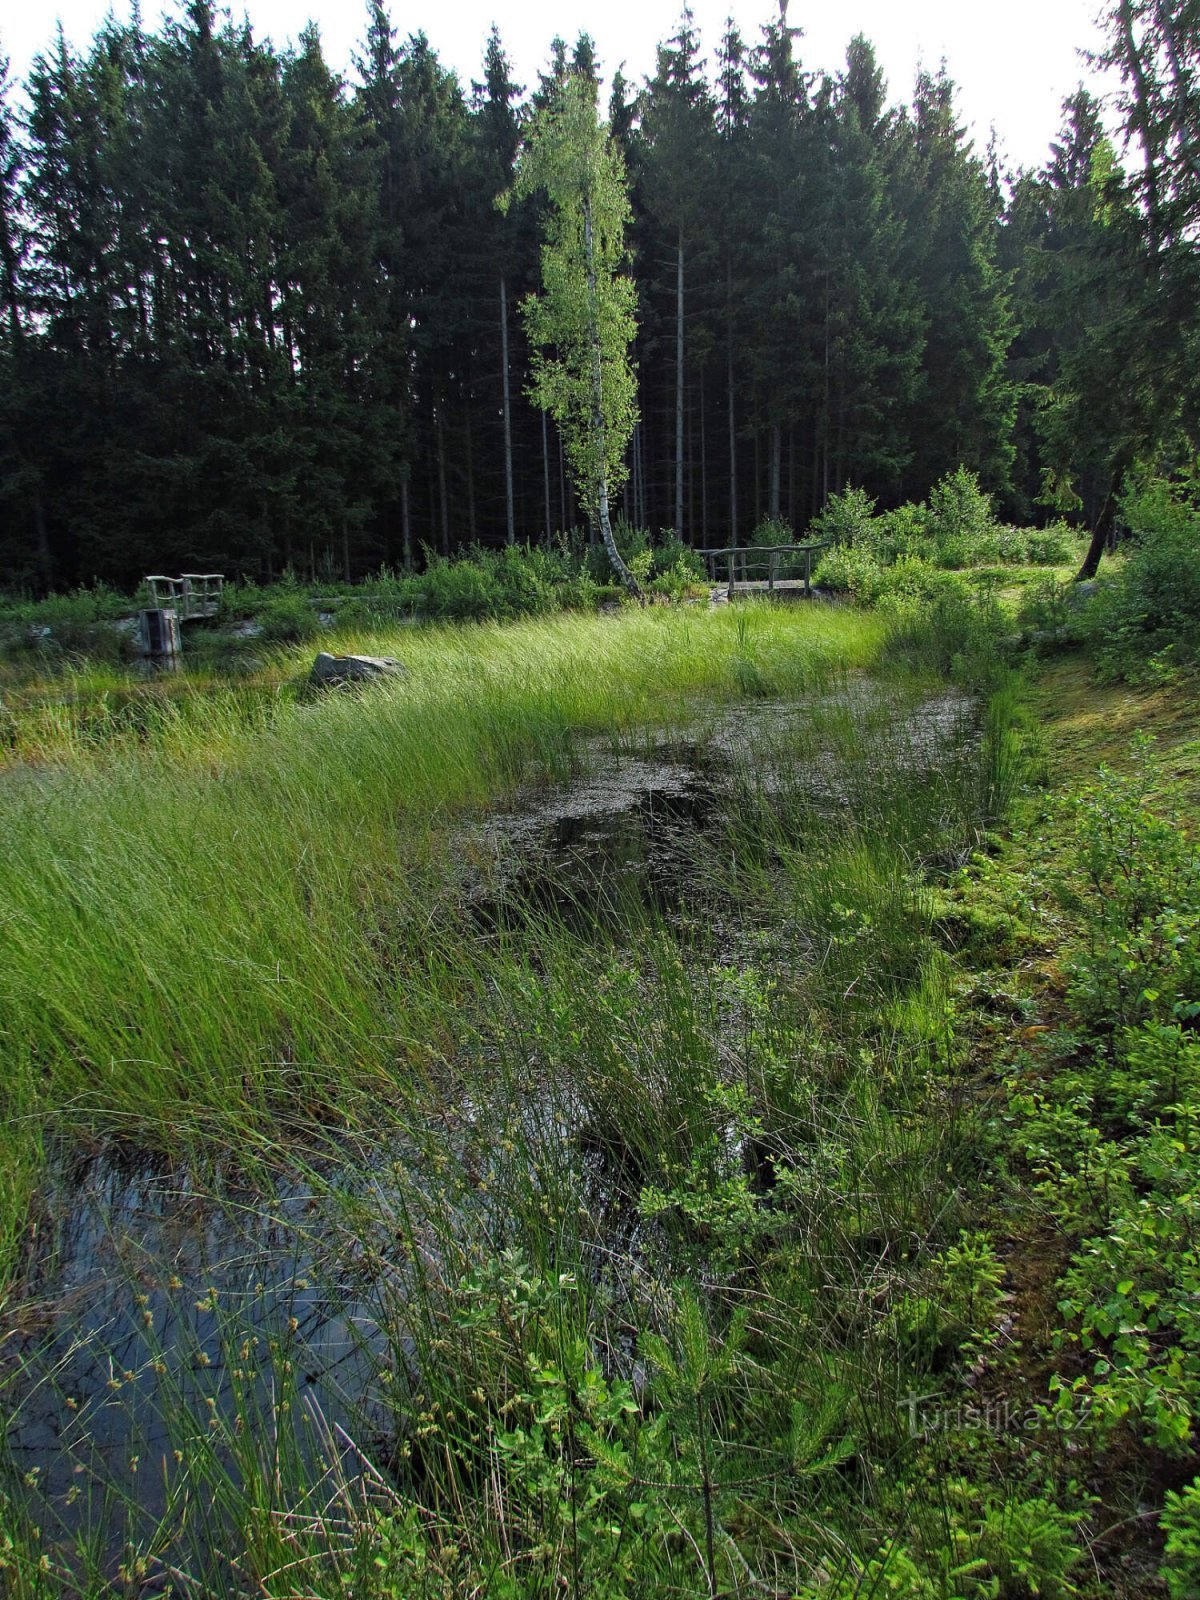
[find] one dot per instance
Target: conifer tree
(678, 156)
(965, 413)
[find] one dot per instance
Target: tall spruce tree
(735, 225)
(780, 277)
(965, 413)
(874, 324)
(677, 149)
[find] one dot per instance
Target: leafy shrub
(288, 618)
(849, 569)
(1050, 547)
(846, 518)
(1145, 622)
(772, 530)
(679, 581)
(1181, 1556)
(630, 543)
(910, 578)
(959, 509)
(903, 531)
(240, 601)
(1111, 1133)
(1046, 606)
(526, 579)
(671, 555)
(461, 591)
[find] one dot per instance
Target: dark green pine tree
(505, 245)
(874, 325)
(786, 173)
(75, 283)
(736, 222)
(25, 559)
(1110, 371)
(434, 167)
(677, 158)
(344, 436)
(965, 412)
(378, 112)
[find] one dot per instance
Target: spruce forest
(254, 317)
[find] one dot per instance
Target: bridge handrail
(192, 594)
(772, 552)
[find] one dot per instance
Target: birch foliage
(582, 323)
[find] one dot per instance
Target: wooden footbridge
(764, 558)
(194, 594)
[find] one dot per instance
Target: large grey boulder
(331, 671)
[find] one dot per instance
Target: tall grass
(219, 913)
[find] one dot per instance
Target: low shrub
(1051, 547)
(1181, 1526)
(1144, 624)
(846, 519)
(903, 531)
(849, 569)
(959, 510)
(288, 618)
(461, 591)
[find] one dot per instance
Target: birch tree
(582, 324)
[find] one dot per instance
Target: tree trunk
(598, 436)
(792, 474)
(1102, 531)
(42, 541)
(563, 521)
(679, 385)
(733, 481)
(635, 515)
(776, 453)
(441, 475)
(703, 468)
(640, 436)
(471, 525)
(406, 523)
(546, 473)
(510, 529)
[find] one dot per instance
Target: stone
(332, 671)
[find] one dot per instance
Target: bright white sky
(1013, 63)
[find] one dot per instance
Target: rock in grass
(331, 672)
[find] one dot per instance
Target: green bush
(846, 519)
(1145, 622)
(849, 569)
(240, 601)
(672, 556)
(462, 591)
(959, 509)
(772, 530)
(631, 542)
(1050, 547)
(1180, 1570)
(903, 531)
(288, 618)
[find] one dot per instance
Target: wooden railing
(194, 594)
(739, 556)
